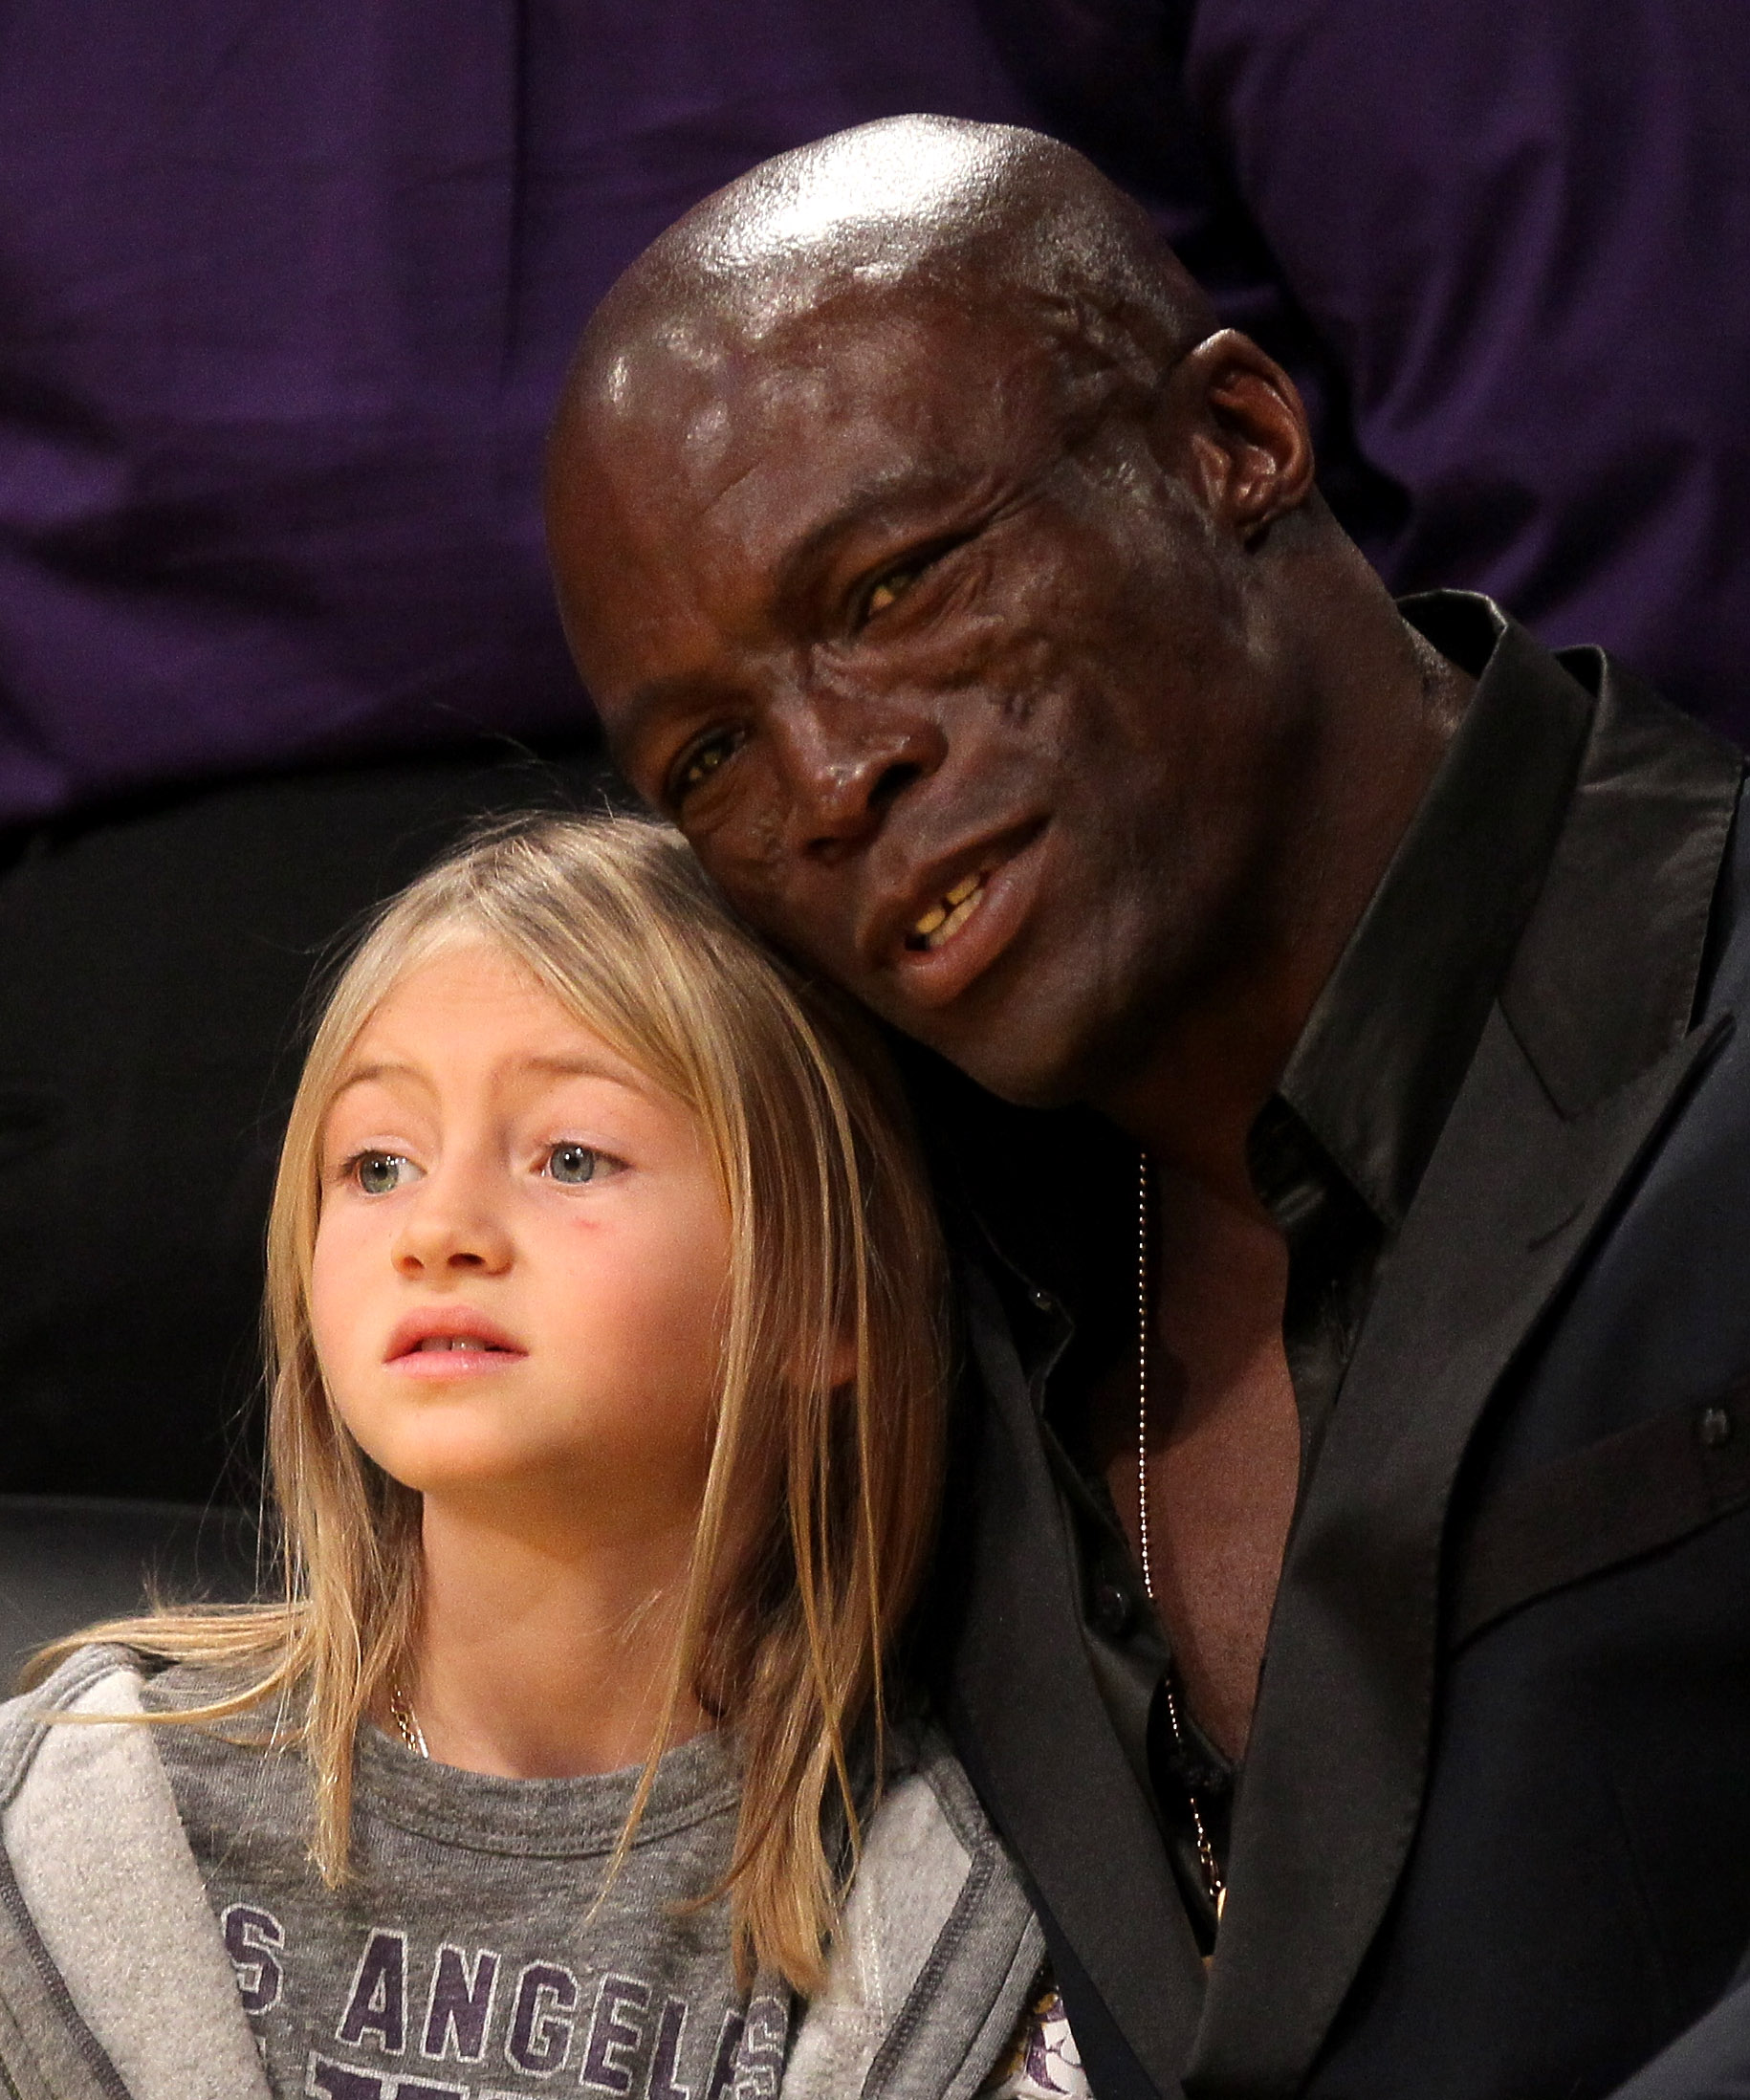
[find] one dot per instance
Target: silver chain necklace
(1213, 1880)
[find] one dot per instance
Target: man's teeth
(944, 920)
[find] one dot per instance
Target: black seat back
(65, 1560)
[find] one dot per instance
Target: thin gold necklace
(406, 1723)
(1213, 1880)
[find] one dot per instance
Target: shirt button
(1111, 1609)
(1043, 1302)
(1714, 1428)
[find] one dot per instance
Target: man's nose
(452, 1227)
(849, 759)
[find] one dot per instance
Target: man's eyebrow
(884, 493)
(650, 702)
(883, 497)
(910, 499)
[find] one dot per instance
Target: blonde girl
(606, 1413)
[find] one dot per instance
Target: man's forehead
(859, 367)
(902, 281)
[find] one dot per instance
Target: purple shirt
(1508, 244)
(286, 292)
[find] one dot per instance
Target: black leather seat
(68, 1560)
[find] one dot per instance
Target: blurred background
(286, 291)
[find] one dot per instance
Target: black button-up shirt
(1336, 1155)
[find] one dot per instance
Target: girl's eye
(380, 1174)
(573, 1165)
(698, 764)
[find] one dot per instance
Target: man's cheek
(764, 886)
(739, 834)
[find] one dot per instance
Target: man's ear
(1250, 454)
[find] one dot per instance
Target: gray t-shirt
(465, 1959)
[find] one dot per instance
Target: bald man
(1324, 1011)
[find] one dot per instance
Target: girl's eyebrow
(585, 1066)
(578, 1067)
(367, 1073)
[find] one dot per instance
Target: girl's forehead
(457, 966)
(470, 999)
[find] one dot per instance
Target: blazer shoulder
(1641, 891)
(1709, 2061)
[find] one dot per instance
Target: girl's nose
(450, 1227)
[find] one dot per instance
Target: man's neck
(1386, 721)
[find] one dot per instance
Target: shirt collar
(1387, 1043)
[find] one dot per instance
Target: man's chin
(1028, 1089)
(1031, 1063)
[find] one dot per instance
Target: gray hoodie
(105, 1922)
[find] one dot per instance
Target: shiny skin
(888, 599)
(470, 1075)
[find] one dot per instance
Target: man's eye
(573, 1165)
(701, 761)
(891, 588)
(380, 1173)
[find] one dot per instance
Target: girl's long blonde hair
(785, 1622)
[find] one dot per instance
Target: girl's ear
(844, 1361)
(841, 1363)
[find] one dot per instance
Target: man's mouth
(945, 918)
(930, 949)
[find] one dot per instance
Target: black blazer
(1709, 2061)
(1492, 1841)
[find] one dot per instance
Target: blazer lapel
(1335, 1771)
(1025, 1710)
(1585, 1056)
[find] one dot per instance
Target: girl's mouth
(451, 1338)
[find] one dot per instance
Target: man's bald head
(960, 588)
(919, 210)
